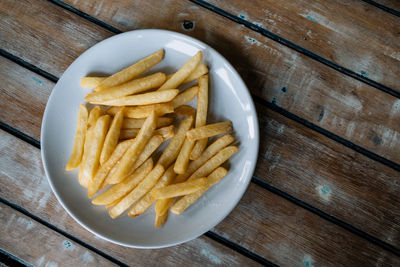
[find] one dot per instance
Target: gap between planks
(383, 7)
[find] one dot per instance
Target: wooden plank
(355, 183)
(351, 33)
(393, 4)
(23, 97)
(342, 105)
(333, 178)
(40, 246)
(263, 223)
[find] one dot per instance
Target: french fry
(112, 136)
(143, 187)
(201, 116)
(146, 201)
(154, 142)
(94, 115)
(129, 88)
(79, 142)
(104, 169)
(91, 82)
(171, 152)
(162, 205)
(140, 99)
(130, 157)
(166, 132)
(143, 111)
(96, 144)
(183, 203)
(210, 151)
(132, 71)
(180, 189)
(178, 77)
(160, 220)
(119, 190)
(184, 111)
(182, 160)
(209, 130)
(185, 96)
(137, 123)
(214, 162)
(108, 206)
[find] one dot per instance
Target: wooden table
(325, 76)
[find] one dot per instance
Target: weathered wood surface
(38, 245)
(351, 33)
(338, 103)
(26, 185)
(23, 97)
(296, 160)
(393, 4)
(263, 222)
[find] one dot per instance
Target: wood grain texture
(263, 222)
(23, 97)
(393, 4)
(329, 176)
(351, 33)
(296, 160)
(27, 186)
(338, 103)
(38, 245)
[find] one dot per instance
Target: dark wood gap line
(297, 48)
(383, 7)
(326, 216)
(327, 133)
(28, 66)
(17, 133)
(253, 27)
(62, 232)
(216, 237)
(10, 260)
(222, 240)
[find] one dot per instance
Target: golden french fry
(184, 111)
(188, 200)
(132, 71)
(137, 123)
(171, 152)
(178, 77)
(185, 96)
(79, 142)
(146, 201)
(182, 160)
(160, 220)
(112, 136)
(94, 115)
(108, 206)
(180, 189)
(104, 169)
(214, 162)
(197, 73)
(96, 144)
(143, 187)
(140, 99)
(210, 151)
(201, 116)
(130, 157)
(91, 82)
(209, 130)
(119, 190)
(166, 132)
(162, 205)
(144, 111)
(129, 88)
(154, 142)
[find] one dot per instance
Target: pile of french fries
(115, 142)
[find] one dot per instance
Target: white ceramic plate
(229, 99)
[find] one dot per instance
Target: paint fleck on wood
(324, 192)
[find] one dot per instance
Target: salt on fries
(142, 109)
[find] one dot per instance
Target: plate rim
(253, 159)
